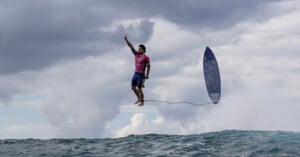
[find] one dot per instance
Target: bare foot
(137, 102)
(141, 103)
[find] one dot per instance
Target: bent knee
(140, 89)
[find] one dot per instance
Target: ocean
(223, 143)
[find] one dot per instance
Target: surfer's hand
(146, 77)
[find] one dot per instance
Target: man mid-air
(142, 64)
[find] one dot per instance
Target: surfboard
(212, 75)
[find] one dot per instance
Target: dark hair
(143, 47)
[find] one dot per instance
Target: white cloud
(139, 124)
(134, 109)
(85, 96)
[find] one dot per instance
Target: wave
(223, 143)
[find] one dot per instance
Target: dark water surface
(224, 143)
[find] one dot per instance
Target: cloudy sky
(65, 69)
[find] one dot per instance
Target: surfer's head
(142, 48)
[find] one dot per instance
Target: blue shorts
(137, 79)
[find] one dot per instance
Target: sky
(65, 69)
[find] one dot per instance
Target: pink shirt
(141, 60)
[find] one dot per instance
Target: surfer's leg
(134, 82)
(136, 93)
(141, 95)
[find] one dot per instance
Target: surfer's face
(141, 50)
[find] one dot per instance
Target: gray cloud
(195, 14)
(36, 34)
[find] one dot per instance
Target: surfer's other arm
(147, 71)
(129, 44)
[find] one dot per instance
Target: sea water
(223, 143)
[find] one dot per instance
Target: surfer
(142, 65)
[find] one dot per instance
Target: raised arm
(129, 44)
